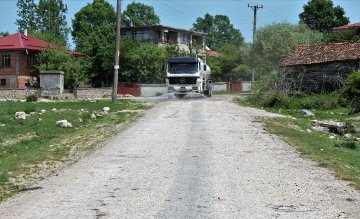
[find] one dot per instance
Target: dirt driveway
(195, 158)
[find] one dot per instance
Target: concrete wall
(246, 86)
(220, 86)
(52, 80)
(150, 90)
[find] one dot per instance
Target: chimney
(25, 32)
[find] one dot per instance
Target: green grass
(343, 161)
(339, 155)
(28, 146)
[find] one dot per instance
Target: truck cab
(188, 75)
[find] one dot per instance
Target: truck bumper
(182, 89)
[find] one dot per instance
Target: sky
(183, 13)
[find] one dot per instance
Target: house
(18, 59)
(320, 68)
(165, 35)
(346, 27)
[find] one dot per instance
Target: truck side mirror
(205, 68)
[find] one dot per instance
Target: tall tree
(274, 42)
(321, 15)
(138, 14)
(51, 21)
(219, 30)
(27, 15)
(94, 35)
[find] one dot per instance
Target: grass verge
(339, 155)
(33, 148)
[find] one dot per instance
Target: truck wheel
(208, 92)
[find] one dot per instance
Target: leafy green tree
(94, 35)
(219, 31)
(241, 72)
(321, 15)
(27, 15)
(60, 59)
(352, 92)
(51, 21)
(349, 35)
(3, 34)
(274, 42)
(88, 19)
(138, 14)
(142, 62)
(230, 65)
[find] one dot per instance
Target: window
(31, 61)
(5, 60)
(3, 82)
(184, 38)
(141, 35)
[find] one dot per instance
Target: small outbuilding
(320, 68)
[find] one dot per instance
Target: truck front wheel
(208, 92)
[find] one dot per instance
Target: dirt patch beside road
(193, 158)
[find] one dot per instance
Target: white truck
(188, 75)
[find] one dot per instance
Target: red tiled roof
(354, 25)
(315, 54)
(209, 52)
(19, 41)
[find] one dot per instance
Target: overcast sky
(183, 13)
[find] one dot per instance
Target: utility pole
(254, 8)
(117, 52)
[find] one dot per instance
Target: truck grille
(182, 80)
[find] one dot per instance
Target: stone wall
(91, 93)
(17, 93)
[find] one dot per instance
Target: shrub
(352, 92)
(346, 144)
(31, 98)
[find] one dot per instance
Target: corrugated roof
(354, 25)
(315, 54)
(19, 41)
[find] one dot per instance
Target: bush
(346, 144)
(352, 92)
(31, 98)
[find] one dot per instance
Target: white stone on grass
(64, 124)
(20, 115)
(43, 111)
(106, 109)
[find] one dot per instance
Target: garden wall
(17, 93)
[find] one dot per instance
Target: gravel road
(194, 158)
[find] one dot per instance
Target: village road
(194, 158)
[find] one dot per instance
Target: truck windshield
(183, 68)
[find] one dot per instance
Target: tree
(274, 42)
(349, 35)
(352, 92)
(321, 15)
(94, 35)
(4, 34)
(51, 21)
(60, 59)
(219, 31)
(27, 15)
(138, 14)
(143, 62)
